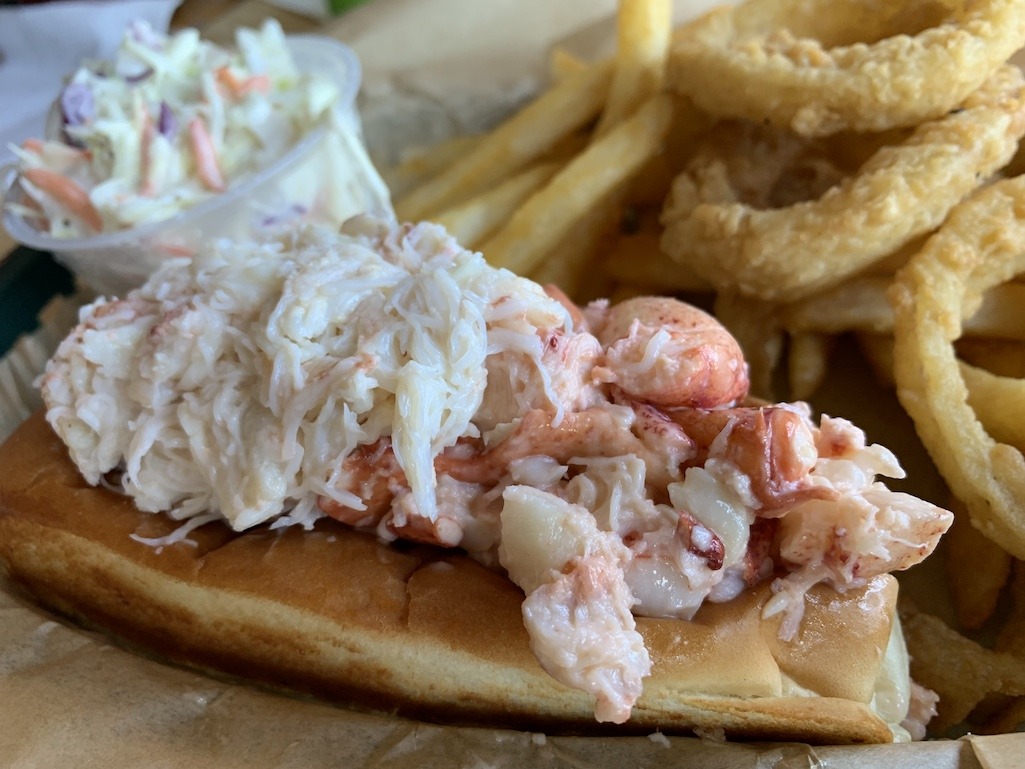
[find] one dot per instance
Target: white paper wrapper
(439, 68)
(72, 699)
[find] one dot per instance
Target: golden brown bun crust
(413, 630)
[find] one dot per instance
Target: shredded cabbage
(125, 125)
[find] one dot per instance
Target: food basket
(192, 720)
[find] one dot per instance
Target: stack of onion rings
(900, 193)
(823, 67)
(980, 246)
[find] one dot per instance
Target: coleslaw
(170, 122)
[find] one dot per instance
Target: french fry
(1011, 640)
(421, 164)
(603, 167)
(999, 356)
(568, 265)
(999, 403)
(624, 291)
(655, 180)
(1000, 314)
(959, 670)
(643, 29)
(977, 570)
(562, 64)
(636, 259)
(526, 136)
(1011, 719)
(893, 262)
(574, 264)
(861, 304)
(878, 351)
(858, 304)
(754, 325)
(473, 221)
(1012, 635)
(807, 363)
(567, 148)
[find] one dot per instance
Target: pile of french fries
(569, 191)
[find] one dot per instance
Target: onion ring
(981, 245)
(998, 402)
(813, 66)
(901, 192)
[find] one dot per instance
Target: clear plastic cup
(326, 177)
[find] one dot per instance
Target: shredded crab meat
(392, 380)
(238, 381)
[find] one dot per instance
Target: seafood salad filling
(606, 457)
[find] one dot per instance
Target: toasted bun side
(413, 630)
